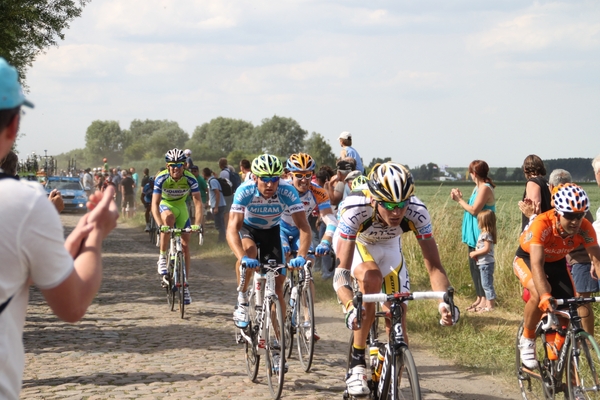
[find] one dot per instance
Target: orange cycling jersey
(543, 231)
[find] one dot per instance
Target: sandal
(484, 310)
(473, 307)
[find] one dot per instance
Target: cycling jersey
(172, 190)
(262, 213)
(543, 231)
(359, 221)
(314, 198)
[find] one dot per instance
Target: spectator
(482, 198)
(349, 151)
(9, 163)
(201, 185)
(136, 180)
(226, 174)
(536, 190)
(128, 195)
(68, 273)
(189, 163)
(325, 263)
(145, 178)
(216, 202)
(146, 198)
(337, 186)
(88, 182)
(116, 179)
(245, 170)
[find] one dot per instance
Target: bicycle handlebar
(359, 298)
(243, 268)
(552, 320)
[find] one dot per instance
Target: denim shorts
(584, 283)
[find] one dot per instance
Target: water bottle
(379, 366)
(373, 352)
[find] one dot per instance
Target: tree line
(234, 139)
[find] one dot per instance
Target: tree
(377, 160)
(517, 175)
(169, 135)
(221, 135)
(501, 174)
(28, 27)
(279, 135)
(320, 150)
(104, 139)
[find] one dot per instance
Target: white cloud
(541, 27)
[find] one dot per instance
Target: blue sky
(428, 81)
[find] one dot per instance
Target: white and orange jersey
(315, 198)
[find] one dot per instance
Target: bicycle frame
(396, 340)
(551, 372)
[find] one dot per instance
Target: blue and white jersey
(264, 213)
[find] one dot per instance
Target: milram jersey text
(172, 190)
(264, 213)
(357, 220)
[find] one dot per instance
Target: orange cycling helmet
(569, 197)
(301, 162)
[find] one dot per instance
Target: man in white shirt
(33, 251)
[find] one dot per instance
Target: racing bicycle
(394, 373)
(263, 335)
(175, 281)
(300, 314)
(575, 368)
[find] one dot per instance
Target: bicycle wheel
(583, 364)
(289, 327)
(305, 316)
(275, 349)
(252, 356)
(533, 383)
(179, 266)
(402, 380)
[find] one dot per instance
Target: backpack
(236, 181)
(226, 187)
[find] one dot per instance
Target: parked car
(73, 193)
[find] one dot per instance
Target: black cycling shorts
(267, 241)
(558, 276)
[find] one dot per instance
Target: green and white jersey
(172, 190)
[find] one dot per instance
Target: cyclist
(171, 187)
(540, 262)
(313, 197)
(255, 215)
(368, 246)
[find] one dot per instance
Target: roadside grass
(481, 342)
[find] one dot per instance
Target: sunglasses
(308, 175)
(572, 216)
(268, 179)
(175, 165)
(392, 206)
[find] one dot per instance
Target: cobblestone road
(128, 346)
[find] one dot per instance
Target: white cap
(345, 135)
(187, 152)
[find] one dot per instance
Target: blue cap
(11, 93)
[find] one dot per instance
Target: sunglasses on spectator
(572, 216)
(392, 206)
(307, 175)
(267, 179)
(175, 165)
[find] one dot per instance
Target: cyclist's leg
(395, 279)
(167, 218)
(241, 315)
